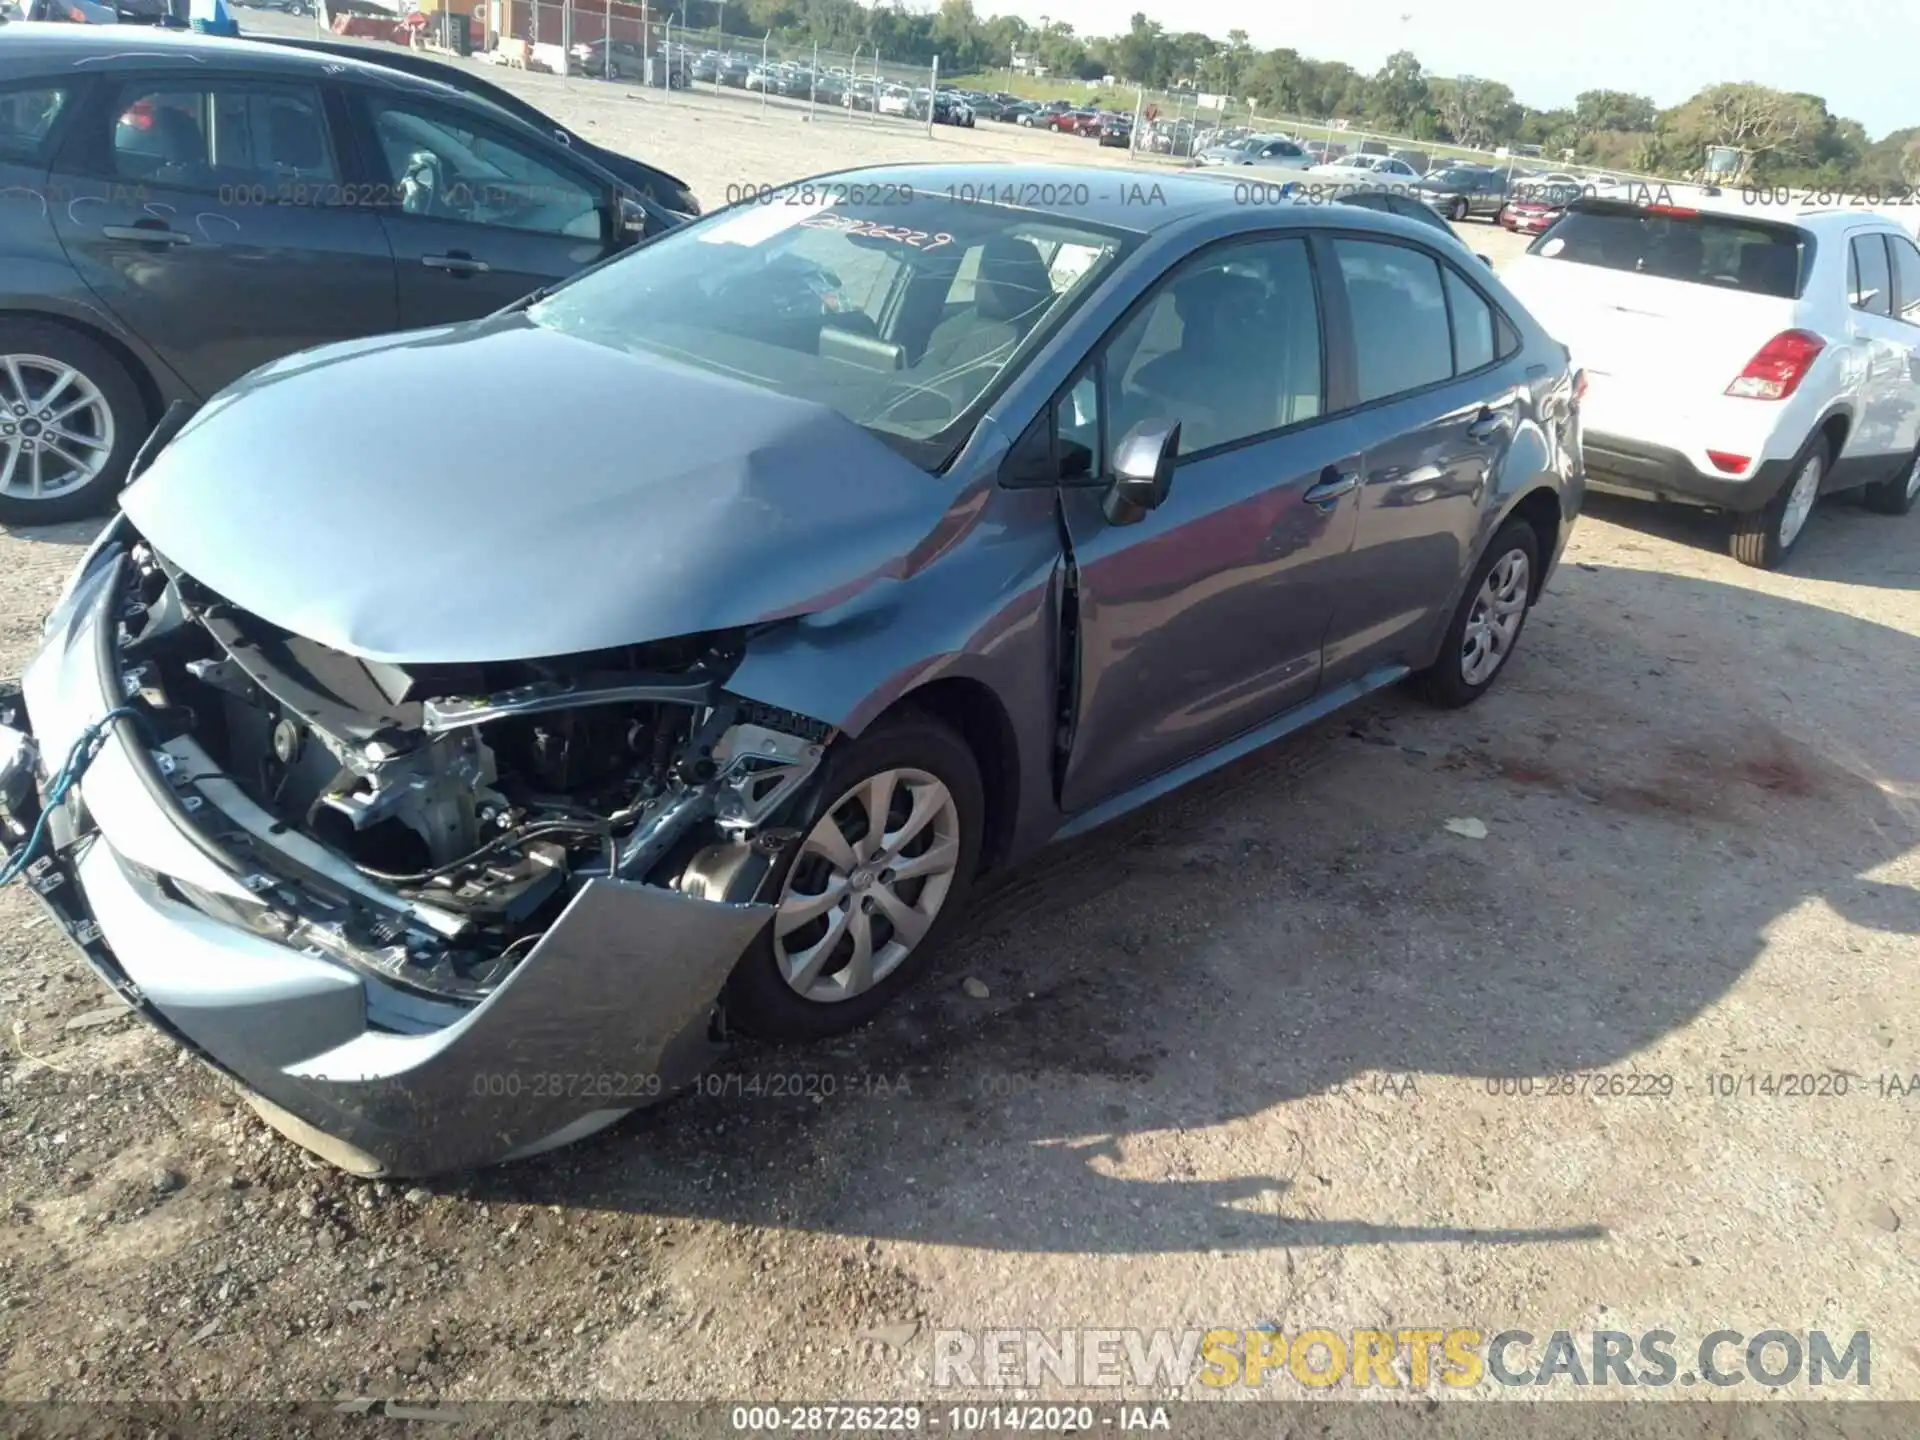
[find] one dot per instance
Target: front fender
(988, 612)
(982, 610)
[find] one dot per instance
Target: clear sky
(1862, 56)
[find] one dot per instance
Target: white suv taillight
(1776, 372)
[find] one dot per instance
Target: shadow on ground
(1844, 541)
(1671, 766)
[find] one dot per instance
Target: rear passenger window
(261, 142)
(1506, 337)
(1472, 325)
(1400, 331)
(1906, 278)
(1869, 281)
(26, 120)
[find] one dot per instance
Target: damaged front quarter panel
(221, 889)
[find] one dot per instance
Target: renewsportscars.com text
(1410, 1357)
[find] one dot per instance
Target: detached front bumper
(610, 1010)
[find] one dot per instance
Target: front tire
(1457, 211)
(71, 421)
(887, 860)
(1486, 628)
(1764, 538)
(1896, 495)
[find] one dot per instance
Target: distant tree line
(1787, 138)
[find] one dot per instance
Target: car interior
(445, 172)
(1229, 349)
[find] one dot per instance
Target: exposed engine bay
(429, 823)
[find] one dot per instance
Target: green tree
(958, 37)
(1475, 112)
(1399, 95)
(1141, 55)
(1775, 132)
(1595, 110)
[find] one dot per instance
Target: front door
(1207, 616)
(211, 214)
(478, 215)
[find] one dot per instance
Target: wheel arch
(972, 708)
(1540, 508)
(1836, 425)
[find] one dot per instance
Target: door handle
(456, 262)
(1490, 424)
(154, 234)
(1333, 483)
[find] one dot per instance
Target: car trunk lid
(1655, 299)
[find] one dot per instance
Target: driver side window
(1228, 345)
(446, 166)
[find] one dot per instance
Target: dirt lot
(1239, 1061)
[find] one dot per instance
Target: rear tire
(1764, 538)
(90, 397)
(1485, 630)
(800, 979)
(1897, 494)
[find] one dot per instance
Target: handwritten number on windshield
(899, 234)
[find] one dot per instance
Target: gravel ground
(1237, 1062)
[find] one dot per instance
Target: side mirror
(1486, 260)
(1142, 471)
(634, 220)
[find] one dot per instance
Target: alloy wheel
(1806, 489)
(867, 884)
(1913, 478)
(56, 428)
(1494, 623)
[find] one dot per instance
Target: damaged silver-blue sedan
(458, 732)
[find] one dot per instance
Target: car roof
(1741, 203)
(36, 48)
(1113, 195)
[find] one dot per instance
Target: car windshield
(1725, 251)
(898, 309)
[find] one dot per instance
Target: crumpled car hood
(497, 491)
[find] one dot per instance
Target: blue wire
(78, 759)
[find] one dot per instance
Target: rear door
(215, 216)
(1490, 193)
(478, 212)
(1436, 414)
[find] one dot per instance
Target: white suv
(1743, 357)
